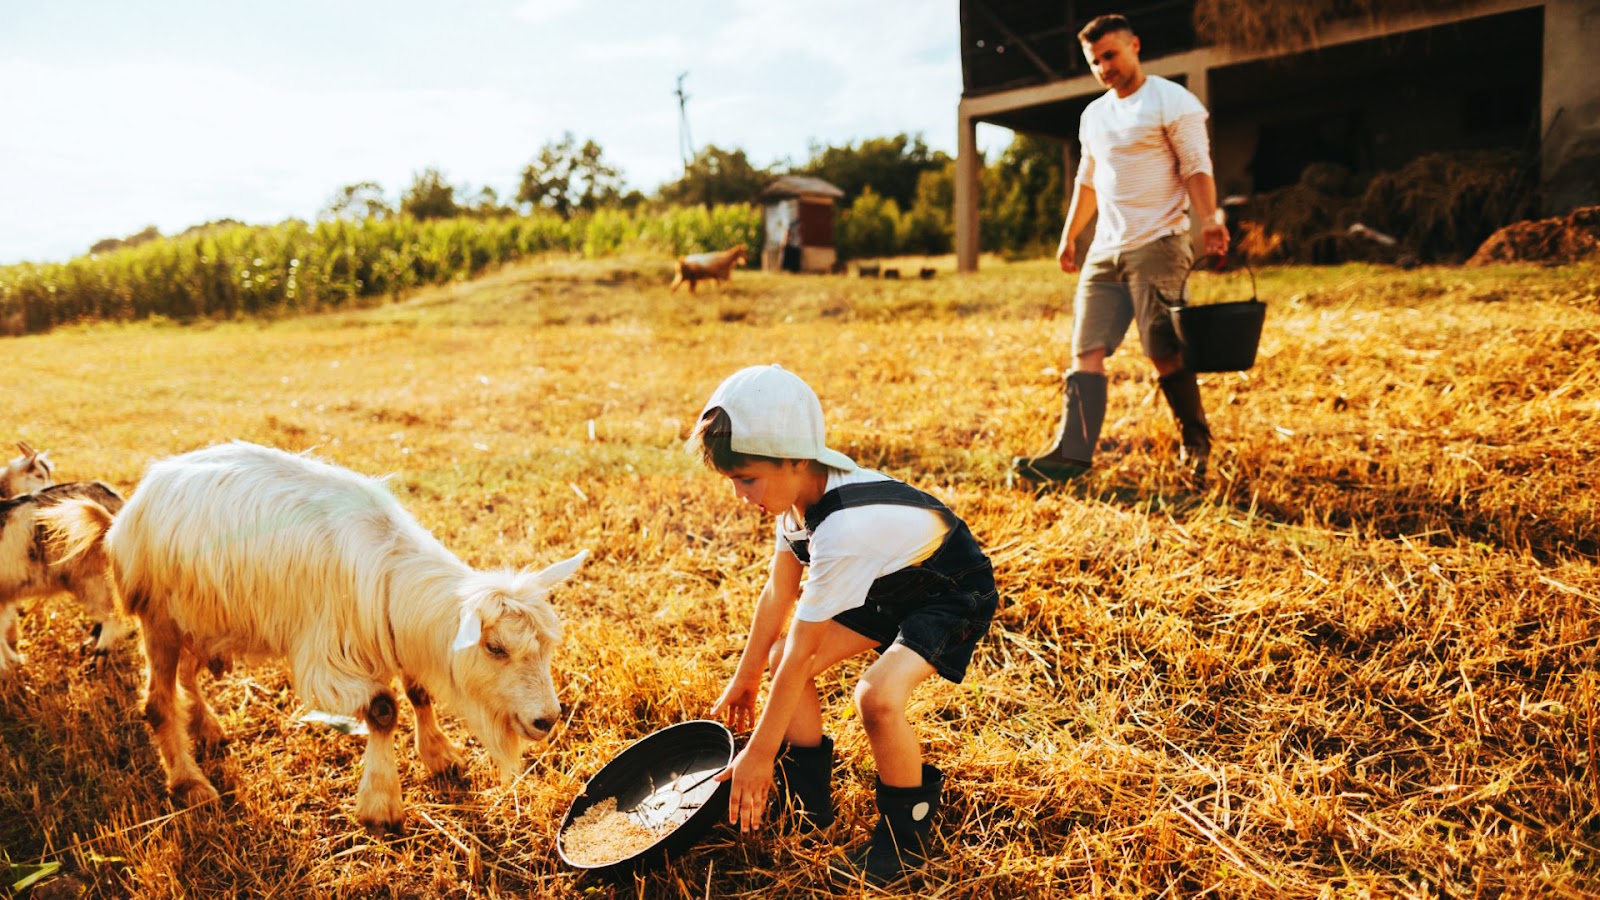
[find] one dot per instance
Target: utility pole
(685, 142)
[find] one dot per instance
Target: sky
(115, 116)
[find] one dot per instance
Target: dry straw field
(1362, 662)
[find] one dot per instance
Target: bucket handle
(1221, 259)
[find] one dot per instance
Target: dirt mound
(1551, 241)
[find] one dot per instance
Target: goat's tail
(76, 526)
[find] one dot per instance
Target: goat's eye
(496, 651)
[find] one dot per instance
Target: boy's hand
(737, 706)
(751, 774)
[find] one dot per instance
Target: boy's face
(772, 486)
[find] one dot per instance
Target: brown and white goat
(30, 567)
(714, 267)
(239, 550)
(27, 473)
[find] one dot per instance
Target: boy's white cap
(775, 414)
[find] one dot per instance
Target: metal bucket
(1217, 337)
(664, 781)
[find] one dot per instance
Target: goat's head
(27, 473)
(500, 660)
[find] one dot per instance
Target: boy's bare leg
(838, 644)
(881, 697)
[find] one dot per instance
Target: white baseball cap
(775, 414)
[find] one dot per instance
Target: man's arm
(1214, 227)
(1082, 209)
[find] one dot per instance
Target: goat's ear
(470, 630)
(479, 611)
(561, 571)
(26, 450)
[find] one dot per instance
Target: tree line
(898, 194)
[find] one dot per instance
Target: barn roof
(799, 186)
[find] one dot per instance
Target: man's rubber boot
(1083, 412)
(1183, 395)
(805, 784)
(899, 843)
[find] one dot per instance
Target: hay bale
(1551, 241)
(1293, 24)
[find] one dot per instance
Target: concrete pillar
(1569, 155)
(966, 190)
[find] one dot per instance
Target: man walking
(1146, 158)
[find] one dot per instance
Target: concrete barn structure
(798, 220)
(1371, 95)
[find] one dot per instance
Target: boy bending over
(891, 569)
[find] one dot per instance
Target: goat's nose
(544, 724)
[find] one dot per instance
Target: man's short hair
(712, 443)
(1100, 26)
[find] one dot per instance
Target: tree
(1023, 198)
(927, 227)
(567, 178)
(890, 166)
(362, 200)
(106, 245)
(868, 227)
(717, 177)
(486, 205)
(430, 197)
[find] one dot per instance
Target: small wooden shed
(799, 224)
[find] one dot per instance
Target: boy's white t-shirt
(856, 546)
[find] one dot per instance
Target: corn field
(243, 271)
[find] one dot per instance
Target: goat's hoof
(193, 792)
(209, 742)
(383, 826)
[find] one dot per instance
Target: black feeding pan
(663, 781)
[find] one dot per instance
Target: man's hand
(1214, 238)
(1067, 259)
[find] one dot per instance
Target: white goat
(30, 568)
(27, 473)
(241, 550)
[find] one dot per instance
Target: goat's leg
(9, 636)
(163, 649)
(94, 592)
(440, 755)
(203, 724)
(378, 803)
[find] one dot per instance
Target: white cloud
(540, 12)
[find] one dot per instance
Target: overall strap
(891, 493)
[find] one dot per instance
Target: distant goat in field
(27, 473)
(241, 550)
(30, 568)
(707, 267)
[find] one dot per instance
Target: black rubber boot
(805, 784)
(1083, 412)
(1183, 395)
(899, 842)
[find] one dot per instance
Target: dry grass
(1362, 663)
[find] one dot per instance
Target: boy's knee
(876, 705)
(775, 656)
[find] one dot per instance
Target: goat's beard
(500, 739)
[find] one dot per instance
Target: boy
(891, 569)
